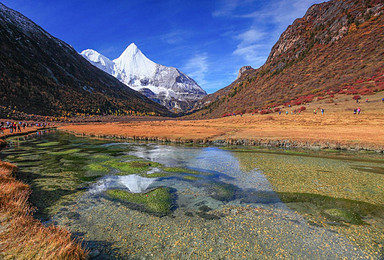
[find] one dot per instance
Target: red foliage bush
(277, 109)
(366, 91)
(351, 92)
(303, 99)
(380, 86)
(302, 108)
(356, 97)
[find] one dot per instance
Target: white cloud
(251, 47)
(197, 67)
(251, 36)
(253, 54)
(227, 7)
(281, 13)
(174, 37)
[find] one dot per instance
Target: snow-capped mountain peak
(98, 60)
(166, 85)
(132, 62)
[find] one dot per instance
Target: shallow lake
(152, 201)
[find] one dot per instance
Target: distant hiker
(18, 128)
(322, 111)
(286, 112)
(279, 112)
(358, 110)
(314, 112)
(355, 111)
(366, 100)
(382, 100)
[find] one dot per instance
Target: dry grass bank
(22, 236)
(338, 127)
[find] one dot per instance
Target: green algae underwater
(79, 183)
(59, 171)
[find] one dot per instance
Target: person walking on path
(322, 111)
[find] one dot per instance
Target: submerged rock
(94, 253)
(158, 201)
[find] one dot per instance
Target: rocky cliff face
(40, 74)
(323, 24)
(165, 85)
(242, 70)
(335, 45)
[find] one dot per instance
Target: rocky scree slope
(40, 74)
(337, 47)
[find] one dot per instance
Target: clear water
(226, 204)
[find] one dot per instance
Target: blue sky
(207, 39)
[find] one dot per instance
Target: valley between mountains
(120, 157)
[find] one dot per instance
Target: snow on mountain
(98, 60)
(165, 85)
(43, 75)
(133, 63)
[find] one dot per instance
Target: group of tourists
(15, 127)
(357, 111)
(12, 126)
(322, 110)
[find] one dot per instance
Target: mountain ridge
(165, 85)
(335, 47)
(43, 75)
